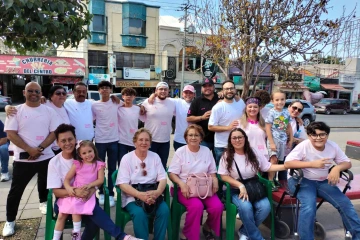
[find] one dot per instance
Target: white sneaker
(242, 236)
(129, 237)
(43, 207)
(237, 216)
(111, 200)
(101, 199)
(9, 229)
(4, 177)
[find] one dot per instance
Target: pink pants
(195, 208)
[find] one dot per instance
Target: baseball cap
(162, 84)
(189, 88)
(207, 81)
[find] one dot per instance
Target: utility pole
(187, 6)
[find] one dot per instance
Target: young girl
(88, 172)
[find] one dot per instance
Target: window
(134, 26)
(192, 59)
(97, 58)
(136, 60)
(98, 23)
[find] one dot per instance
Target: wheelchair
(282, 229)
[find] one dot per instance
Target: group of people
(234, 139)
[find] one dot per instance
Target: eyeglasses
(193, 135)
(238, 138)
(296, 108)
(143, 165)
(33, 91)
(320, 135)
(229, 89)
(60, 93)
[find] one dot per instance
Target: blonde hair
(277, 91)
(141, 130)
(244, 120)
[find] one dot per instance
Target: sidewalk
(327, 215)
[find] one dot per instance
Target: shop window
(98, 23)
(136, 60)
(97, 58)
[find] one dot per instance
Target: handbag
(200, 185)
(149, 209)
(254, 188)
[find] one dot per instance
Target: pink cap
(189, 88)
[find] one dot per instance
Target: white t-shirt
(158, 119)
(130, 172)
(264, 112)
(222, 114)
(305, 151)
(105, 114)
(62, 118)
(81, 118)
(127, 124)
(57, 170)
(186, 162)
(33, 125)
(244, 168)
(181, 110)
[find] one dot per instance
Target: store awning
(334, 87)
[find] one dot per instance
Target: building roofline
(138, 3)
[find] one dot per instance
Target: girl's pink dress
(85, 174)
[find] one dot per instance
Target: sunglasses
(143, 165)
(60, 93)
(296, 108)
(33, 91)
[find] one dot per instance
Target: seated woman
(137, 168)
(189, 159)
(239, 155)
(315, 156)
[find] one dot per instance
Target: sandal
(208, 234)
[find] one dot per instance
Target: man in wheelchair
(315, 156)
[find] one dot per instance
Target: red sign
(66, 80)
(34, 65)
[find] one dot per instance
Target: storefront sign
(136, 73)
(135, 84)
(95, 78)
(66, 80)
(33, 65)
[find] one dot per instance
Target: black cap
(207, 81)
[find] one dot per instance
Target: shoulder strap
(297, 125)
(237, 168)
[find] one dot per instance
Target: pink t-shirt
(186, 162)
(127, 124)
(62, 118)
(244, 168)
(305, 151)
(256, 137)
(33, 125)
(57, 170)
(158, 119)
(130, 172)
(105, 114)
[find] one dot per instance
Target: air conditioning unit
(163, 74)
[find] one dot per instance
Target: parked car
(332, 105)
(308, 115)
(4, 101)
(355, 108)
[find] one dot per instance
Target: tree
(272, 28)
(34, 25)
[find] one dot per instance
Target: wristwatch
(41, 148)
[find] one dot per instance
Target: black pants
(23, 172)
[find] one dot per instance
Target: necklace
(252, 121)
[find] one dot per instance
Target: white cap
(162, 84)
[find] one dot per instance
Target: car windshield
(325, 101)
(356, 105)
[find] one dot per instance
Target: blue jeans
(99, 219)
(141, 221)
(123, 149)
(251, 215)
(218, 153)
(178, 145)
(111, 150)
(4, 157)
(309, 191)
(162, 149)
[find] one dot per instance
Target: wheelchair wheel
(282, 230)
(319, 231)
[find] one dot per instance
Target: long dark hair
(250, 156)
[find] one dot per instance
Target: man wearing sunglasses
(315, 156)
(31, 131)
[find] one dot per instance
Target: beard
(229, 97)
(161, 97)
